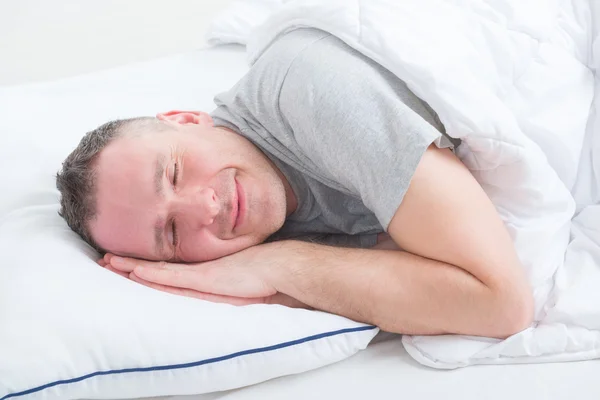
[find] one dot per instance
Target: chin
(268, 228)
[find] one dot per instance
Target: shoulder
(286, 49)
(330, 62)
(319, 59)
(334, 79)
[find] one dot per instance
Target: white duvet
(514, 79)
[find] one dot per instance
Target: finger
(214, 298)
(180, 278)
(127, 264)
(189, 292)
(196, 279)
(164, 288)
(101, 262)
(208, 278)
(111, 269)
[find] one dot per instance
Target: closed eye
(175, 174)
(175, 235)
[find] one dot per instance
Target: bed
(384, 368)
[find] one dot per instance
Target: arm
(395, 290)
(462, 274)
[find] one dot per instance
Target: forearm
(398, 291)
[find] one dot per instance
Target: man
(317, 143)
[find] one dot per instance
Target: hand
(238, 279)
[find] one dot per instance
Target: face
(190, 193)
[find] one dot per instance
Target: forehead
(133, 144)
(126, 199)
(127, 162)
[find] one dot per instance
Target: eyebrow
(159, 228)
(159, 170)
(159, 225)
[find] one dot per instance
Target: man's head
(172, 188)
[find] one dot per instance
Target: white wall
(48, 39)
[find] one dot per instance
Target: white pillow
(70, 329)
(239, 19)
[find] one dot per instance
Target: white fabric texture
(70, 329)
(515, 81)
(385, 367)
(236, 22)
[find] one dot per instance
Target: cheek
(196, 246)
(204, 246)
(201, 165)
(195, 172)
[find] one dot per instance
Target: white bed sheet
(384, 369)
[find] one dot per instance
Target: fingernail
(117, 260)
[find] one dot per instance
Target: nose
(200, 207)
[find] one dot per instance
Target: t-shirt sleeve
(357, 122)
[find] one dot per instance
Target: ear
(186, 117)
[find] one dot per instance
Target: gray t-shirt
(345, 132)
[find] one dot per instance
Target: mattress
(384, 369)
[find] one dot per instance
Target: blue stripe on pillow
(192, 364)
